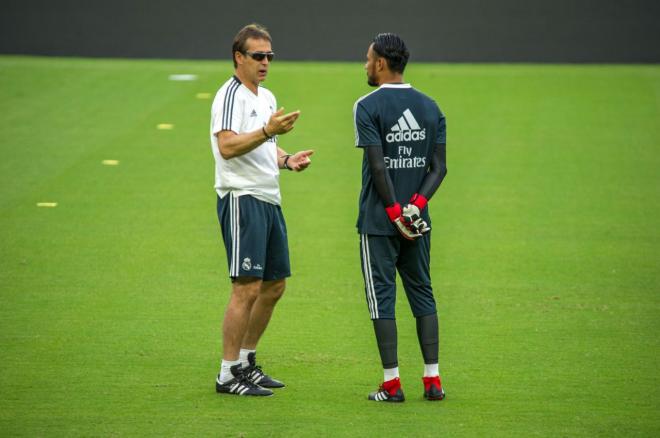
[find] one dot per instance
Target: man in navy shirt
(402, 134)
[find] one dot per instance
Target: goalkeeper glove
(412, 215)
(394, 213)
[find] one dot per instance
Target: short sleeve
(366, 131)
(442, 129)
(228, 110)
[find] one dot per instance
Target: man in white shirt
(245, 124)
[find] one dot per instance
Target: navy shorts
(382, 257)
(255, 237)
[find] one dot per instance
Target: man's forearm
(281, 157)
(379, 175)
(437, 172)
(233, 145)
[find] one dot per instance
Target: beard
(371, 80)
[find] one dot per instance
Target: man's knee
(273, 290)
(245, 290)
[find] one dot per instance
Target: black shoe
(240, 384)
(433, 388)
(389, 391)
(254, 373)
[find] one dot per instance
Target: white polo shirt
(256, 173)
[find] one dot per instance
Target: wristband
(286, 158)
(263, 128)
(419, 201)
(393, 211)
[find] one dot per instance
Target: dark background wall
(447, 30)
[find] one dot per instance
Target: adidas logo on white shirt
(406, 129)
(253, 113)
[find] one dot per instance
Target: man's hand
(299, 161)
(413, 219)
(405, 230)
(280, 123)
(394, 213)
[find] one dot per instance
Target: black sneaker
(240, 384)
(254, 373)
(389, 391)
(433, 388)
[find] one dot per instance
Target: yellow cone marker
(46, 204)
(110, 162)
(165, 126)
(203, 95)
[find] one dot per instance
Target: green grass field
(545, 260)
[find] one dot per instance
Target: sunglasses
(259, 56)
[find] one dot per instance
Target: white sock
(431, 370)
(242, 356)
(225, 371)
(390, 373)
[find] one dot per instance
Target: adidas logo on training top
(406, 129)
(253, 113)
